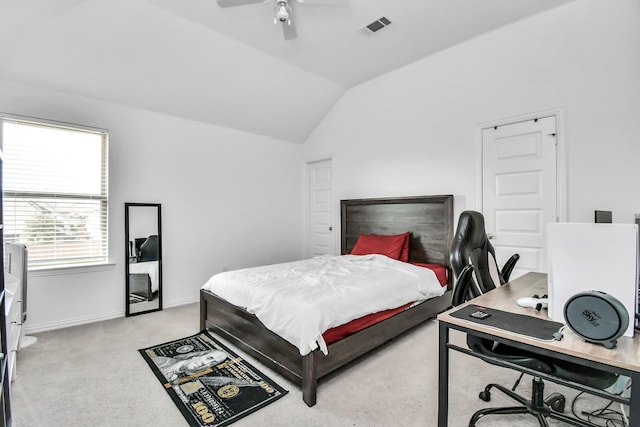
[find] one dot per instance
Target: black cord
(515, 386)
(611, 418)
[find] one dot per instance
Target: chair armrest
(507, 268)
(462, 290)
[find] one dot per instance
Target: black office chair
(476, 271)
(149, 249)
(472, 254)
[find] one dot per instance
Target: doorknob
(489, 236)
(330, 228)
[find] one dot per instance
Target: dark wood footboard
(249, 334)
(140, 284)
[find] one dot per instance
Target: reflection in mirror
(143, 271)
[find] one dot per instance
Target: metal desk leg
(634, 400)
(443, 375)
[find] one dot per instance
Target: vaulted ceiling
(232, 66)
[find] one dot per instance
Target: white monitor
(584, 257)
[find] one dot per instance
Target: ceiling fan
(282, 13)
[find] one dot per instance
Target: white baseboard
(181, 301)
(51, 326)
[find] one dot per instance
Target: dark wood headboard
(428, 218)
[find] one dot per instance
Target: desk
(623, 359)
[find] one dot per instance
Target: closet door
(320, 209)
(519, 190)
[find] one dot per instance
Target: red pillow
(395, 246)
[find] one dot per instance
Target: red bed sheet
(335, 334)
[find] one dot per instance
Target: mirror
(143, 253)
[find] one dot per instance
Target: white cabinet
(13, 311)
(15, 285)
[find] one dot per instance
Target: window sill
(70, 269)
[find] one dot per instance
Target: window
(55, 191)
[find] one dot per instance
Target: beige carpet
(92, 375)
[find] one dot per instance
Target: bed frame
(430, 221)
(140, 285)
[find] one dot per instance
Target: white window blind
(55, 191)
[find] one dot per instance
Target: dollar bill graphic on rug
(210, 384)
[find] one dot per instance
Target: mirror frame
(127, 207)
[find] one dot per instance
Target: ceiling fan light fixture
(282, 12)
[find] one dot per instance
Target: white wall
(229, 199)
(414, 131)
(232, 199)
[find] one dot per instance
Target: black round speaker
(597, 317)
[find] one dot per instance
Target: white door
(519, 190)
(320, 221)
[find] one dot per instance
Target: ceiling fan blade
(231, 3)
(289, 31)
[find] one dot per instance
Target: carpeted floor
(92, 375)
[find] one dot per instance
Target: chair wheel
(485, 395)
(556, 401)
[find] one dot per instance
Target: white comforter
(302, 299)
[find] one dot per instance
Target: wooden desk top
(625, 355)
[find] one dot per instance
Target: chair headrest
(471, 230)
(149, 249)
(471, 246)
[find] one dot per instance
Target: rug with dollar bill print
(210, 384)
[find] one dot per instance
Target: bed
(143, 273)
(143, 279)
(429, 219)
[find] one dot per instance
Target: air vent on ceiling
(378, 24)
